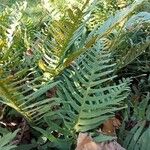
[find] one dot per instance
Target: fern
(15, 17)
(10, 22)
(87, 95)
(6, 139)
(21, 87)
(137, 137)
(104, 9)
(113, 21)
(133, 41)
(64, 33)
(88, 100)
(60, 52)
(24, 92)
(141, 109)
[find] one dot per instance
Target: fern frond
(10, 32)
(137, 137)
(6, 139)
(104, 30)
(25, 93)
(10, 21)
(113, 21)
(142, 109)
(21, 87)
(87, 95)
(105, 9)
(134, 40)
(59, 51)
(15, 17)
(64, 33)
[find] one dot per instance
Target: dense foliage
(69, 67)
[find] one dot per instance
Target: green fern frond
(134, 40)
(25, 93)
(104, 9)
(104, 30)
(64, 33)
(58, 52)
(128, 55)
(15, 17)
(6, 139)
(142, 109)
(113, 21)
(21, 87)
(138, 138)
(10, 22)
(87, 94)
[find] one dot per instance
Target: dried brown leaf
(85, 142)
(110, 126)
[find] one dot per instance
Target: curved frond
(89, 98)
(134, 40)
(25, 93)
(137, 137)
(63, 33)
(59, 50)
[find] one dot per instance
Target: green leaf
(87, 98)
(6, 139)
(103, 138)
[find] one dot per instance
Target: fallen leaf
(85, 142)
(110, 126)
